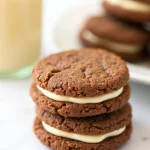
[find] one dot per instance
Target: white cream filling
(117, 47)
(81, 137)
(136, 6)
(84, 100)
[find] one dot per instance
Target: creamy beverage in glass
(20, 36)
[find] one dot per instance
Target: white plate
(66, 32)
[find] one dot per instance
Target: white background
(17, 109)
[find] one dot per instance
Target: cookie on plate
(81, 83)
(104, 132)
(127, 40)
(132, 10)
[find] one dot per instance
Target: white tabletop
(17, 110)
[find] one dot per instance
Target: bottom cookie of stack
(104, 132)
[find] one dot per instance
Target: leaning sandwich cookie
(127, 40)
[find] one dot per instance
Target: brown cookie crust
(81, 73)
(112, 29)
(102, 124)
(138, 56)
(59, 143)
(126, 14)
(77, 110)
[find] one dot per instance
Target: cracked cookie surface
(81, 73)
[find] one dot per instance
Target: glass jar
(20, 36)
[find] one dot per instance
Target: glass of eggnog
(20, 37)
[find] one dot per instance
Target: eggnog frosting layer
(81, 137)
(117, 47)
(131, 5)
(85, 100)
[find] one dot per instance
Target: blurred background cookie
(133, 10)
(125, 39)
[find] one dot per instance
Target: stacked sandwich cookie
(81, 99)
(120, 29)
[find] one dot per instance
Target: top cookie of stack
(81, 83)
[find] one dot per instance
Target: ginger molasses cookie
(70, 109)
(60, 140)
(80, 83)
(125, 39)
(81, 74)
